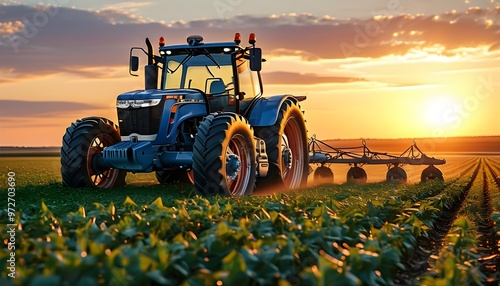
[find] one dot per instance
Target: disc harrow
(323, 155)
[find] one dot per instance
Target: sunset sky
(369, 68)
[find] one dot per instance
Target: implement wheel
(356, 175)
(287, 151)
(224, 156)
(323, 175)
(431, 173)
(83, 142)
(396, 174)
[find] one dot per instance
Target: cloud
(43, 40)
(11, 27)
(495, 47)
(128, 6)
(308, 78)
(56, 39)
(19, 108)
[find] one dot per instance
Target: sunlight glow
(435, 110)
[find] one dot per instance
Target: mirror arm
(130, 56)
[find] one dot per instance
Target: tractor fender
(265, 111)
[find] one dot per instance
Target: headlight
(137, 103)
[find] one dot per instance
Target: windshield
(198, 71)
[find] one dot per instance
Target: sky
(369, 68)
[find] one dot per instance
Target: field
(147, 234)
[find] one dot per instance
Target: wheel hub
(287, 158)
(233, 166)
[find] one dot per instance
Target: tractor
(201, 117)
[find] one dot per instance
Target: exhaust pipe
(150, 51)
(151, 70)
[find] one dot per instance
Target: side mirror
(134, 63)
(255, 59)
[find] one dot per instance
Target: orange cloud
(46, 40)
(298, 78)
(19, 108)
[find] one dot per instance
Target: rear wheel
(224, 156)
(323, 175)
(356, 175)
(431, 173)
(396, 174)
(286, 143)
(83, 142)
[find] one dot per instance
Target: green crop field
(438, 233)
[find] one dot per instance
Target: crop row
(273, 240)
(469, 254)
(460, 168)
(366, 235)
(199, 244)
(478, 209)
(429, 245)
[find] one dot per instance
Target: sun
(437, 109)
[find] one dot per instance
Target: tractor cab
(225, 74)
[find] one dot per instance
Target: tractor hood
(146, 113)
(159, 94)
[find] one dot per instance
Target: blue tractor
(202, 117)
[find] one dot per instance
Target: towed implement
(323, 155)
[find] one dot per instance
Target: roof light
(237, 38)
(194, 40)
(162, 41)
(251, 39)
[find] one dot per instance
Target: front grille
(144, 121)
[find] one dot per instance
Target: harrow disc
(396, 175)
(356, 175)
(431, 173)
(323, 175)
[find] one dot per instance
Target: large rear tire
(85, 139)
(224, 156)
(287, 151)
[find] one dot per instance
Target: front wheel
(83, 142)
(224, 156)
(287, 151)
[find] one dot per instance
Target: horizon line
(331, 139)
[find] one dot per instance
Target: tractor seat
(219, 98)
(243, 106)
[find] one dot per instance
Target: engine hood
(158, 94)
